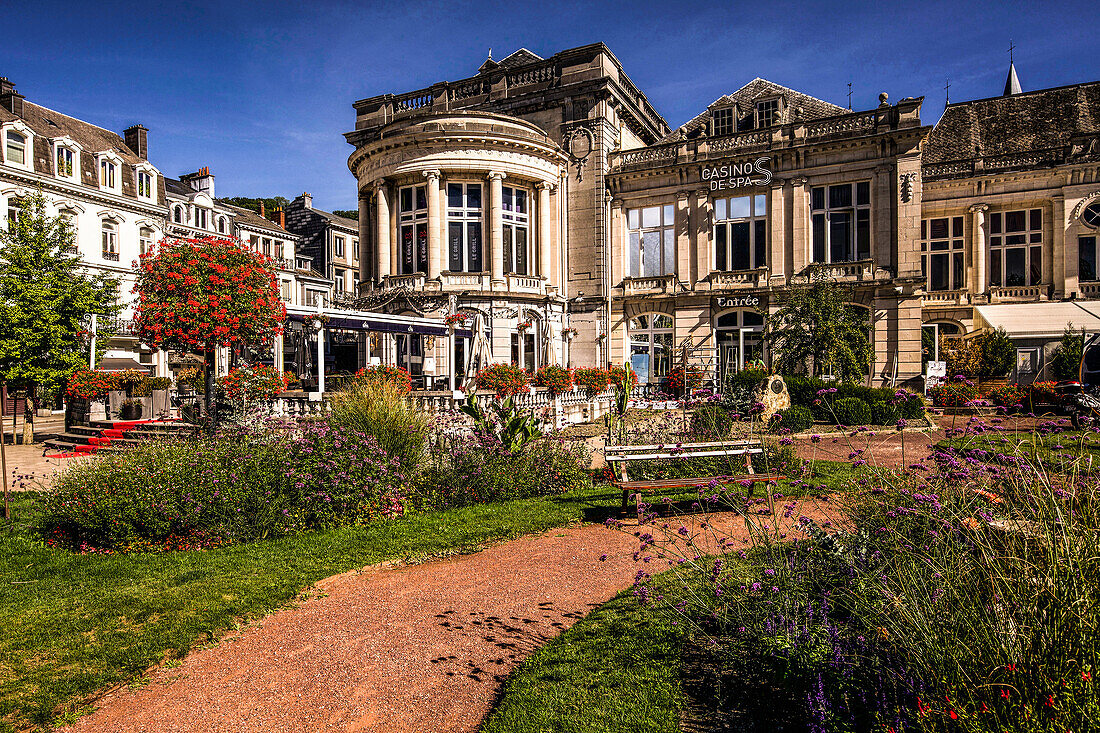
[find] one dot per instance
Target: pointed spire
(1012, 84)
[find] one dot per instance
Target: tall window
(202, 218)
(1086, 258)
(941, 253)
(740, 232)
(651, 241)
(110, 241)
(221, 225)
(841, 222)
(144, 185)
(107, 174)
(280, 249)
(145, 240)
(337, 246)
(70, 217)
(724, 122)
(284, 291)
(177, 214)
(517, 242)
(14, 207)
(525, 347)
(1016, 248)
(64, 162)
(740, 340)
(414, 230)
(267, 246)
(767, 113)
(339, 279)
(15, 148)
(464, 245)
(650, 346)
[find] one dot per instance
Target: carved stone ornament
(579, 146)
(906, 182)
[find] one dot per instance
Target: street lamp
(319, 327)
(91, 320)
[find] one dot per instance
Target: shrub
(852, 411)
(234, 486)
(89, 385)
(249, 383)
(554, 378)
(504, 379)
(795, 418)
(883, 413)
(380, 408)
(395, 375)
(471, 470)
(998, 354)
(955, 393)
(192, 378)
(681, 381)
(1042, 393)
(711, 421)
(1010, 395)
(592, 380)
(1065, 362)
(912, 407)
(746, 378)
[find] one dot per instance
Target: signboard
(745, 301)
(737, 175)
(936, 373)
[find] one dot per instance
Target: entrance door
(739, 336)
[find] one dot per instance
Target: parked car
(1081, 397)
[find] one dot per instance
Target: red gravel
(421, 648)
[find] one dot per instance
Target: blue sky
(261, 92)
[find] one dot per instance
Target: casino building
(549, 198)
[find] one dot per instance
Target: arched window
(145, 240)
(110, 241)
(177, 214)
(525, 343)
(221, 225)
(932, 340)
(69, 216)
(739, 336)
(651, 346)
(15, 149)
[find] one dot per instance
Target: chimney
(137, 140)
(307, 200)
(10, 99)
(201, 180)
(262, 213)
(282, 217)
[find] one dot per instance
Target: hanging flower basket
(569, 333)
(523, 326)
(455, 320)
(316, 318)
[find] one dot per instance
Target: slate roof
(798, 106)
(93, 139)
(246, 217)
(1063, 121)
(339, 220)
(178, 187)
(519, 57)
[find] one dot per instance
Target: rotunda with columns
(460, 212)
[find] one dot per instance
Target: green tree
(44, 296)
(270, 204)
(1065, 362)
(347, 213)
(818, 331)
(998, 353)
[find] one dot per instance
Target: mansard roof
(797, 106)
(520, 57)
(1062, 123)
(50, 124)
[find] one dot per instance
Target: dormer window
(767, 113)
(177, 214)
(221, 225)
(15, 149)
(64, 162)
(725, 122)
(108, 172)
(201, 219)
(144, 184)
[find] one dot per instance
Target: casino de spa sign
(737, 175)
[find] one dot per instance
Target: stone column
(280, 366)
(619, 254)
(802, 236)
(435, 242)
(979, 248)
(1055, 256)
(382, 238)
(545, 229)
(365, 263)
(701, 233)
(685, 272)
(777, 225)
(496, 228)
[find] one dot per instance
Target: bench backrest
(613, 453)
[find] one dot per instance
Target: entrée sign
(737, 175)
(748, 301)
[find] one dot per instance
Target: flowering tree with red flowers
(200, 294)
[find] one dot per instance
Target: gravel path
(398, 649)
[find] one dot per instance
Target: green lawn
(75, 624)
(1049, 449)
(618, 669)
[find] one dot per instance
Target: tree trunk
(28, 418)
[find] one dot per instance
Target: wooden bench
(623, 454)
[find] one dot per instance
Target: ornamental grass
(959, 594)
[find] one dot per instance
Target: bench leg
(626, 499)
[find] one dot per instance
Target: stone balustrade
(649, 285)
(1017, 293)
